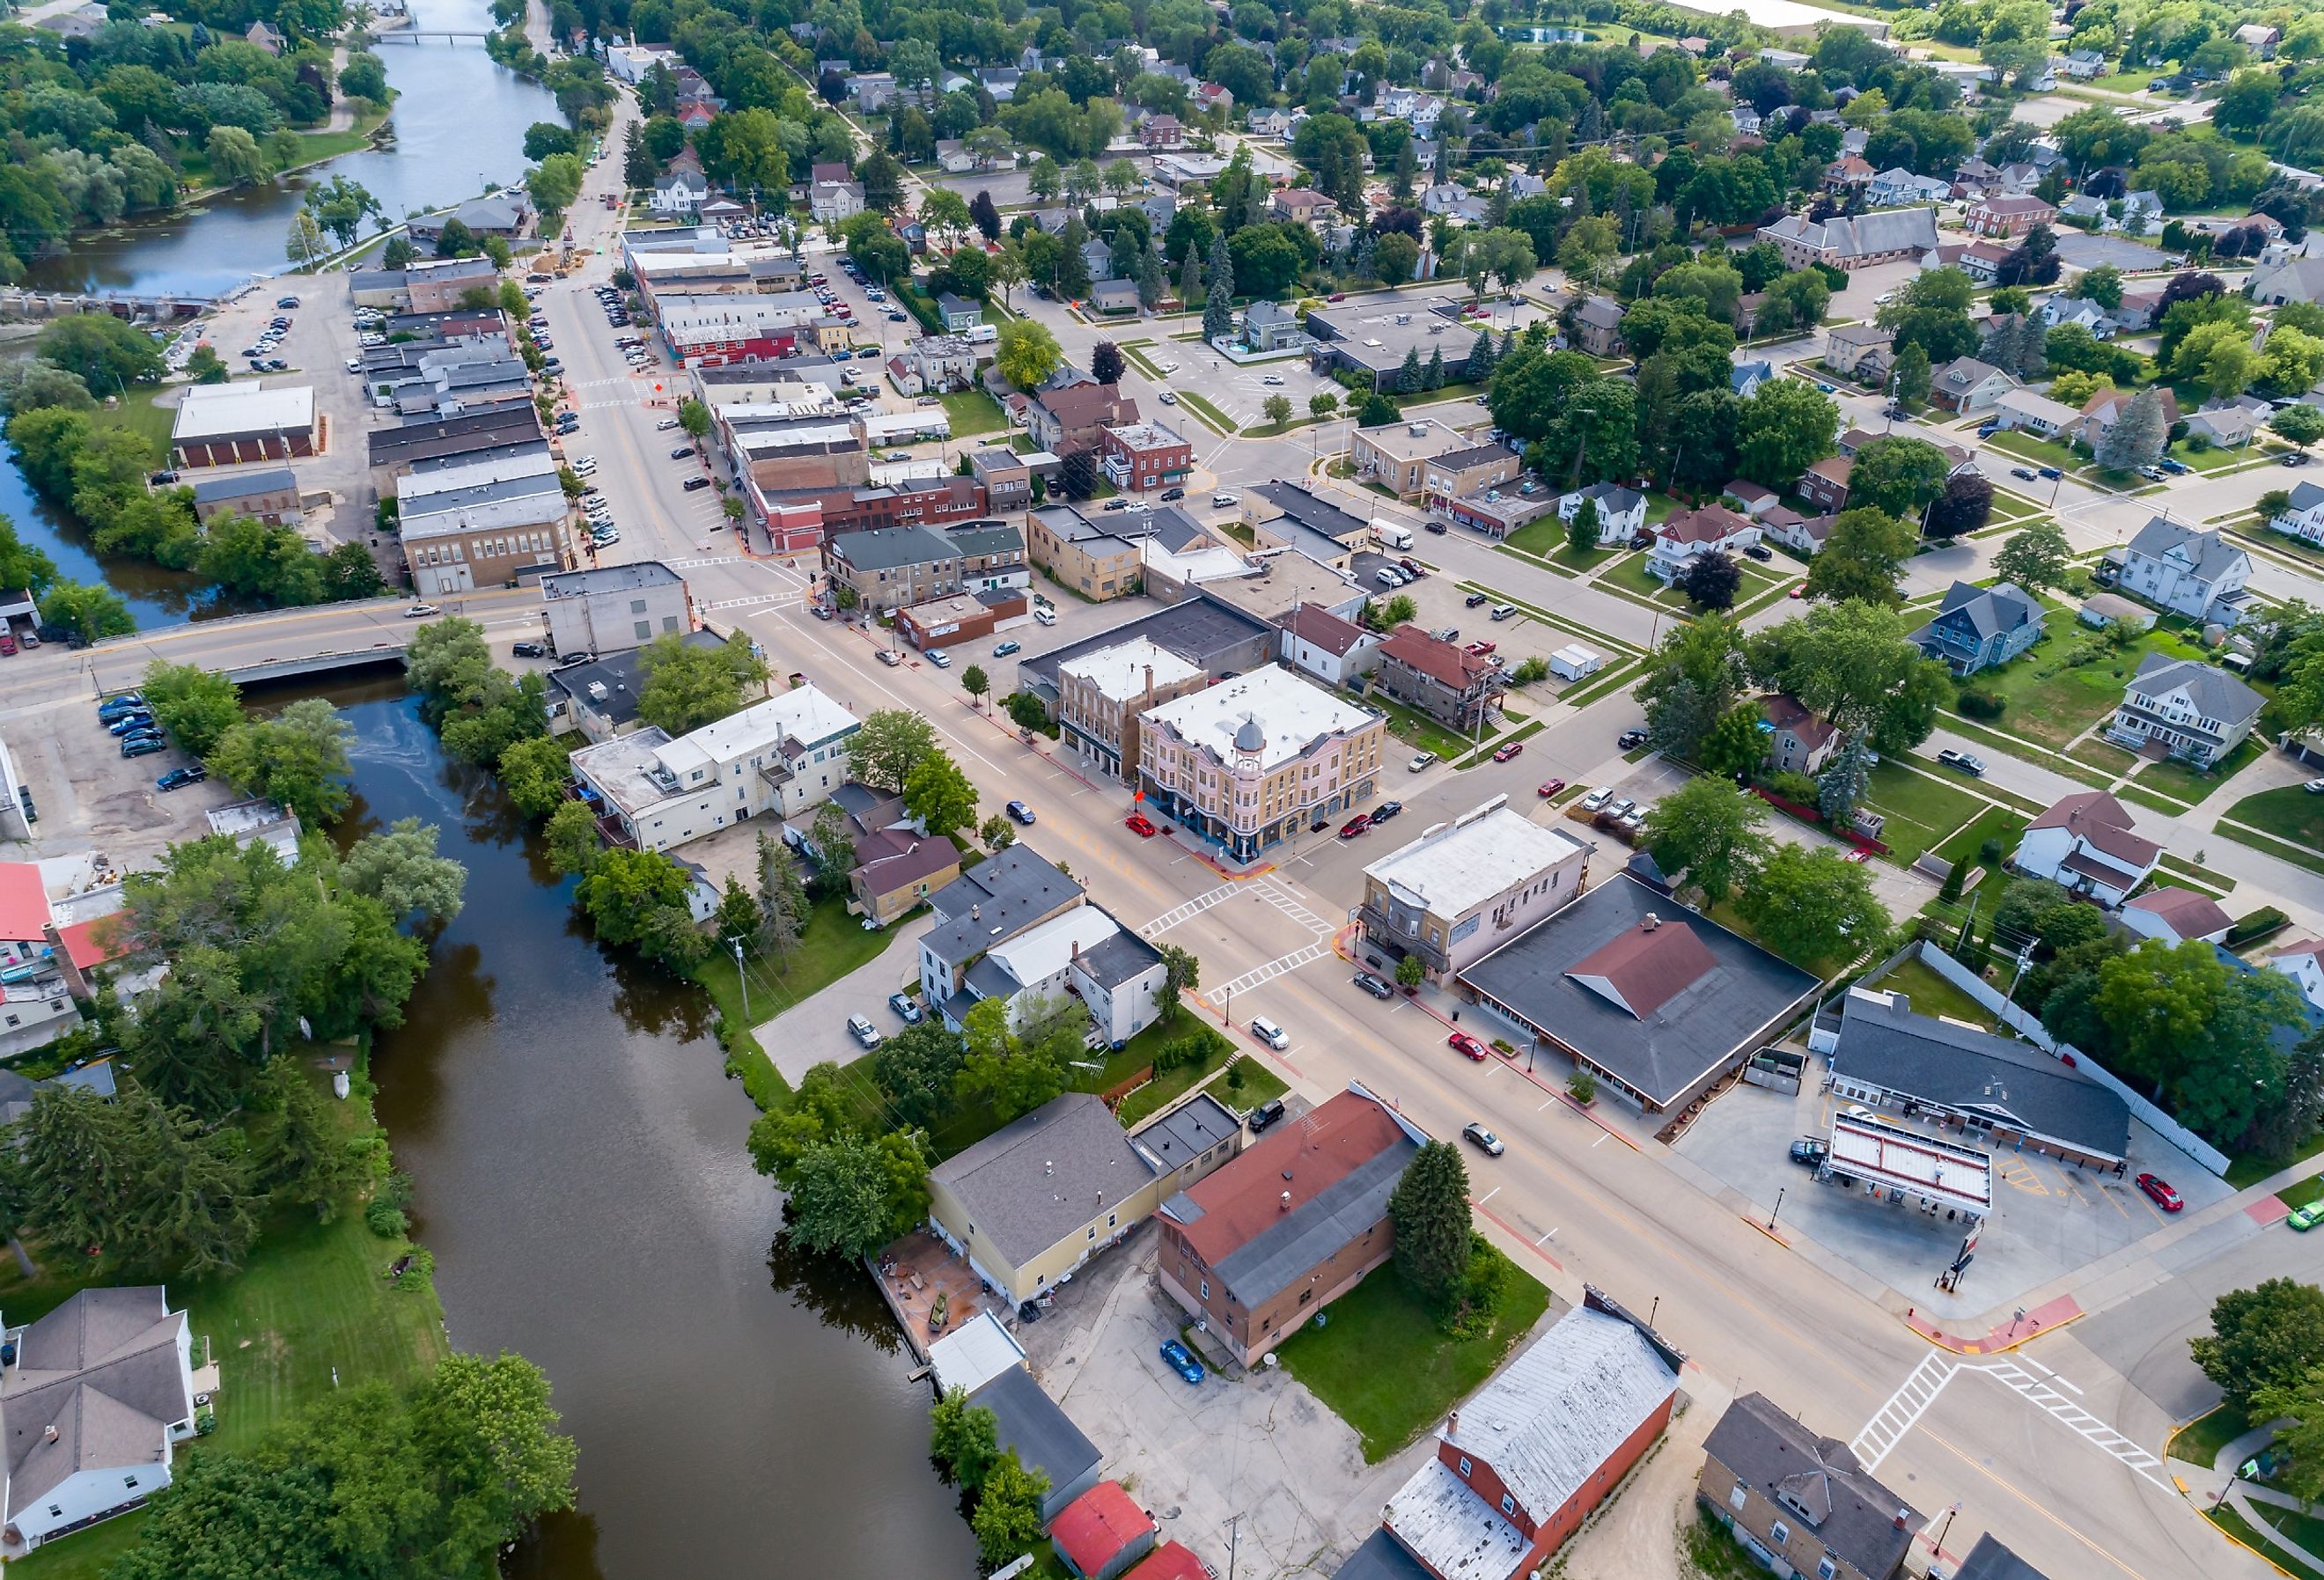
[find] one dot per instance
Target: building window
(130, 1482)
(1826, 1569)
(1735, 1499)
(1779, 1533)
(1464, 1467)
(1305, 1296)
(1509, 1504)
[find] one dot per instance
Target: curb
(1987, 1346)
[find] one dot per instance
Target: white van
(1268, 1032)
(1389, 535)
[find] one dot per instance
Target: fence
(2026, 1025)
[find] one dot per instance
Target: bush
(1990, 853)
(1795, 788)
(1582, 1085)
(1504, 1046)
(2266, 920)
(1978, 703)
(384, 1218)
(1479, 1300)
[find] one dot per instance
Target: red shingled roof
(1645, 967)
(1244, 1199)
(1440, 662)
(2102, 823)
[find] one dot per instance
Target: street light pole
(1774, 1210)
(741, 976)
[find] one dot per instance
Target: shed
(1024, 1419)
(974, 1353)
(1102, 1532)
(2104, 609)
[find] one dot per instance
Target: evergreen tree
(1479, 367)
(1218, 307)
(1840, 788)
(1153, 285)
(1189, 278)
(2137, 436)
(1430, 1210)
(1408, 376)
(1433, 376)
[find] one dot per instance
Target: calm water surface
(580, 1172)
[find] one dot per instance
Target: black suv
(1265, 1114)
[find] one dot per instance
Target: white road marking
(1893, 1419)
(1285, 899)
(1547, 1105)
(2063, 1383)
(1267, 972)
(2076, 1420)
(1545, 1236)
(1190, 910)
(1598, 1143)
(1488, 1196)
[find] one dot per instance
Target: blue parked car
(128, 722)
(113, 707)
(905, 1005)
(1176, 1356)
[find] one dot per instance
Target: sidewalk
(2005, 1336)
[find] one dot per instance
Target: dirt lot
(1261, 1445)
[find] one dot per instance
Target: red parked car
(1355, 825)
(1462, 1042)
(2159, 1191)
(1800, 591)
(1140, 824)
(1550, 787)
(1509, 751)
(1478, 647)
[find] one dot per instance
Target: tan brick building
(1100, 696)
(1092, 558)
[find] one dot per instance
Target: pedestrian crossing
(1286, 900)
(761, 601)
(1218, 996)
(2038, 1392)
(1907, 1405)
(1187, 912)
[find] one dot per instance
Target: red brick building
(1266, 1242)
(1143, 456)
(1522, 1463)
(2009, 216)
(797, 519)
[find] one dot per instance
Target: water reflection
(577, 1156)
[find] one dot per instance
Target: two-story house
(2197, 712)
(1076, 417)
(1261, 1244)
(1799, 1501)
(1519, 1467)
(1448, 683)
(653, 792)
(1683, 535)
(2303, 518)
(2188, 570)
(1897, 185)
(2007, 215)
(1864, 352)
(1621, 511)
(1598, 326)
(1333, 650)
(2086, 842)
(1798, 741)
(1975, 627)
(1141, 456)
(1968, 386)
(1464, 887)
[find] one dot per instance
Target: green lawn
(2051, 700)
(1416, 728)
(1253, 1086)
(1920, 810)
(2305, 1530)
(1206, 411)
(2189, 784)
(2228, 1520)
(1631, 576)
(1545, 536)
(2215, 459)
(2041, 452)
(2301, 1192)
(1932, 994)
(973, 412)
(2103, 754)
(833, 944)
(85, 1555)
(140, 416)
(1382, 1365)
(2198, 1442)
(2290, 813)
(1998, 823)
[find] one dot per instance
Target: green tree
(233, 157)
(1694, 680)
(1430, 1211)
(1736, 744)
(1898, 475)
(1710, 833)
(842, 1195)
(1582, 530)
(299, 758)
(975, 682)
(694, 417)
(964, 1439)
(784, 908)
(1181, 970)
(625, 888)
(554, 183)
(534, 773)
(1027, 354)
(571, 841)
(2137, 436)
(147, 1189)
(2299, 425)
(2197, 1032)
(891, 740)
(1784, 427)
(1813, 906)
(1863, 557)
(686, 684)
(916, 1067)
(193, 704)
(1008, 1520)
(2269, 1337)
(1849, 662)
(2036, 558)
(107, 354)
(940, 795)
(403, 872)
(2301, 1405)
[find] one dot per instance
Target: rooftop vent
(1286, 1208)
(1651, 922)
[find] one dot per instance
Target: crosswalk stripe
(1267, 972)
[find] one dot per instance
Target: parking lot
(1258, 1446)
(90, 796)
(2050, 1218)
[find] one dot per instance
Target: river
(578, 1161)
(458, 125)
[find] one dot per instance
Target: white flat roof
(1041, 952)
(1453, 869)
(1946, 1172)
(805, 715)
(229, 411)
(1119, 673)
(974, 1353)
(1291, 714)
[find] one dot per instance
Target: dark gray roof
(2214, 691)
(1380, 1557)
(1701, 1026)
(455, 435)
(1976, 1072)
(1989, 1560)
(986, 538)
(1027, 1420)
(1112, 961)
(2212, 555)
(1263, 1266)
(608, 579)
(244, 484)
(993, 901)
(1197, 630)
(1474, 455)
(890, 548)
(104, 1371)
(1852, 1515)
(1990, 611)
(1040, 1178)
(1187, 1131)
(619, 674)
(1308, 510)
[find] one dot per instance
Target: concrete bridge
(56, 304)
(411, 35)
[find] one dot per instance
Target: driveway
(816, 1028)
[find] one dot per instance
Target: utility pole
(743, 977)
(1234, 1542)
(1773, 1210)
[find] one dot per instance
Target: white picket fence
(2025, 1024)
